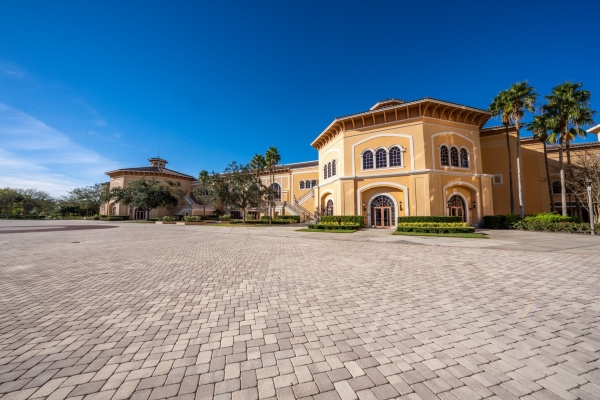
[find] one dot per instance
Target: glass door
(383, 217)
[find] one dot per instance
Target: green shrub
(112, 218)
(433, 224)
(192, 218)
(171, 218)
(295, 218)
(353, 219)
(548, 218)
(225, 217)
(333, 227)
(262, 222)
(547, 225)
(500, 221)
(432, 229)
(429, 218)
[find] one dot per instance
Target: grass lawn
(324, 230)
(456, 235)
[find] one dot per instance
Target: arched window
(114, 210)
(444, 159)
(464, 158)
(556, 187)
(314, 183)
(301, 184)
(454, 156)
(382, 201)
(325, 171)
(329, 208)
(381, 159)
(368, 159)
(329, 170)
(333, 167)
(395, 157)
(307, 184)
(277, 190)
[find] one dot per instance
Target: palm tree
(540, 126)
(569, 106)
(272, 158)
(258, 165)
(520, 98)
(498, 108)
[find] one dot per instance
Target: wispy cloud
(11, 70)
(33, 154)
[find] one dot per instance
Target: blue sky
(87, 87)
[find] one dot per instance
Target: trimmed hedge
(123, 217)
(112, 219)
(296, 218)
(434, 224)
(332, 227)
(171, 218)
(431, 218)
(432, 229)
(353, 219)
(262, 222)
(500, 221)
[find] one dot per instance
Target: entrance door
(457, 207)
(140, 214)
(383, 217)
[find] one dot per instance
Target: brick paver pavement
(154, 312)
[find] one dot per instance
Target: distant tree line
(34, 203)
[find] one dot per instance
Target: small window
(464, 158)
(307, 184)
(325, 171)
(395, 157)
(381, 159)
(556, 187)
(314, 183)
(329, 208)
(333, 167)
(444, 160)
(454, 156)
(301, 184)
(368, 159)
(329, 170)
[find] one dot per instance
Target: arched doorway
(383, 212)
(457, 207)
(329, 207)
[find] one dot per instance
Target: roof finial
(159, 152)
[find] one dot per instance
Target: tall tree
(238, 187)
(499, 107)
(569, 105)
(520, 98)
(8, 198)
(258, 164)
(145, 194)
(540, 127)
(272, 159)
(37, 201)
(83, 198)
(204, 193)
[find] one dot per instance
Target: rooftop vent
(157, 162)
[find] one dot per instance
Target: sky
(89, 87)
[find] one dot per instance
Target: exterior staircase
(295, 209)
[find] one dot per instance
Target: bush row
(353, 219)
(198, 218)
(513, 221)
(434, 224)
(432, 218)
(432, 229)
(500, 221)
(295, 218)
(263, 221)
(546, 226)
(334, 227)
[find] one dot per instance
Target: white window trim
(387, 157)
(450, 146)
(444, 167)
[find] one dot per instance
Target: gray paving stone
(169, 312)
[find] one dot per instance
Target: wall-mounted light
(364, 207)
(400, 205)
(474, 205)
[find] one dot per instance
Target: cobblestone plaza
(145, 311)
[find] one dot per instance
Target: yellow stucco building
(423, 157)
